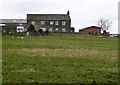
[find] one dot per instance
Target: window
(63, 22)
(50, 29)
(20, 29)
(51, 22)
(42, 22)
(33, 22)
(14, 21)
(56, 23)
(43, 28)
(4, 31)
(23, 22)
(63, 30)
(57, 29)
(20, 24)
(97, 29)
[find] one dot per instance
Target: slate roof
(48, 17)
(4, 21)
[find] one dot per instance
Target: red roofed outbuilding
(94, 30)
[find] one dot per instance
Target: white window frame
(42, 22)
(63, 22)
(20, 29)
(50, 29)
(56, 22)
(43, 28)
(57, 29)
(32, 22)
(63, 30)
(20, 24)
(51, 22)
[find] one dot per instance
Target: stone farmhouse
(51, 22)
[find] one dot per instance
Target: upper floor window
(51, 22)
(63, 22)
(33, 22)
(56, 22)
(42, 22)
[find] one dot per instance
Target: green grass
(69, 58)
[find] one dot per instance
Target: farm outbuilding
(94, 30)
(13, 25)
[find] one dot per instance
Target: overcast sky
(83, 13)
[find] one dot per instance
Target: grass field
(59, 58)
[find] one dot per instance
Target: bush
(31, 28)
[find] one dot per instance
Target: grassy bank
(69, 58)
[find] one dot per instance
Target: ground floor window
(20, 29)
(57, 29)
(50, 29)
(43, 28)
(63, 30)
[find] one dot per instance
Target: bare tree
(105, 24)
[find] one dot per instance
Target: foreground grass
(60, 59)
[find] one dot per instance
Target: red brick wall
(92, 30)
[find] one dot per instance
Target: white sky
(83, 13)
